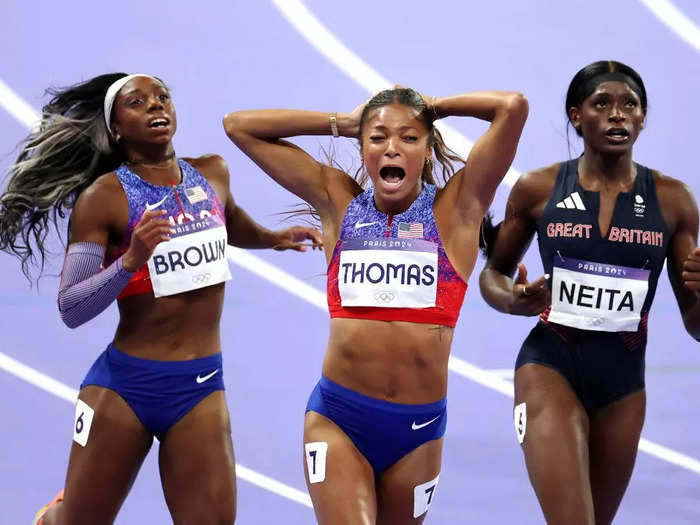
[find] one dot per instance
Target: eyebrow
(632, 94)
(402, 128)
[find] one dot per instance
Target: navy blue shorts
(383, 432)
(599, 367)
(159, 392)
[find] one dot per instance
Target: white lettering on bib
(195, 257)
(598, 296)
(389, 273)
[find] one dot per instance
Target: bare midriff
(396, 361)
(174, 328)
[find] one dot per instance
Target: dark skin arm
(258, 133)
(243, 231)
(525, 205)
(100, 216)
(683, 259)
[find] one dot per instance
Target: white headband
(112, 94)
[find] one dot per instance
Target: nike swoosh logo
(202, 379)
(150, 207)
(418, 427)
(363, 224)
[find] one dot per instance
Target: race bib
(390, 273)
(598, 296)
(195, 257)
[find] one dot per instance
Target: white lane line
(330, 46)
(338, 54)
(38, 379)
(505, 373)
(17, 107)
(669, 455)
(273, 485)
(675, 20)
(273, 274)
(481, 376)
(52, 386)
(313, 296)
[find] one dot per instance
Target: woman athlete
(605, 227)
(399, 253)
(149, 230)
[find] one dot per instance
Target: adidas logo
(572, 202)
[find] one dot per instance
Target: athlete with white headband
(112, 92)
(150, 231)
(605, 226)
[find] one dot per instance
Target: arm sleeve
(86, 289)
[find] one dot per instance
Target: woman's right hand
(349, 123)
(529, 298)
(148, 233)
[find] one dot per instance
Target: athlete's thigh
(197, 465)
(552, 426)
(101, 472)
(615, 432)
(406, 490)
(339, 478)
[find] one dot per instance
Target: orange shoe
(38, 517)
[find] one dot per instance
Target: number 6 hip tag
(83, 422)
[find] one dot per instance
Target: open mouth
(158, 123)
(617, 134)
(392, 174)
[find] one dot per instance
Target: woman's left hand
(293, 239)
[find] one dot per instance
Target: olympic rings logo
(384, 297)
(201, 278)
(596, 321)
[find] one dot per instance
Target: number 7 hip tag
(316, 460)
(423, 496)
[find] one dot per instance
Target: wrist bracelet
(333, 118)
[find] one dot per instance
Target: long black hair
(63, 156)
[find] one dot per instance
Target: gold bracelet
(333, 118)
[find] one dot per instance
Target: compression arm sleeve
(86, 289)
